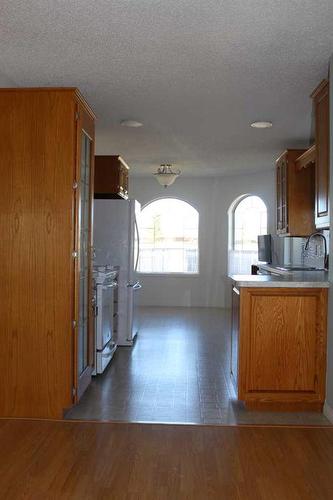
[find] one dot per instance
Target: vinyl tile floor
(176, 372)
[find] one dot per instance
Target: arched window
(247, 219)
(169, 237)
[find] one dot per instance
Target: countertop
(295, 279)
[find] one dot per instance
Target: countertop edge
(265, 281)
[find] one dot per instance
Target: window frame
(234, 258)
(175, 274)
(235, 205)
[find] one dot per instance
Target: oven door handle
(111, 285)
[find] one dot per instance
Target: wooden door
(321, 103)
(83, 314)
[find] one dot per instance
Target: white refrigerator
(116, 243)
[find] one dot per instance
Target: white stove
(105, 278)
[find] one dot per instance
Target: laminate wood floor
(178, 371)
(42, 460)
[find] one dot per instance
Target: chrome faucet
(325, 246)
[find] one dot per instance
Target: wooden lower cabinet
(282, 348)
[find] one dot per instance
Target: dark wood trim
(319, 88)
(307, 159)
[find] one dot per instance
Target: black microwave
(265, 248)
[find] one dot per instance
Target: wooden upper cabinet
(46, 168)
(111, 177)
(294, 196)
(320, 98)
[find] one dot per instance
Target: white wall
(212, 198)
(5, 81)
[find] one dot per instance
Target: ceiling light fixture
(261, 124)
(131, 123)
(165, 175)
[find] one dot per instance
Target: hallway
(176, 372)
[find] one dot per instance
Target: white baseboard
(328, 412)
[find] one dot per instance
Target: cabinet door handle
(234, 289)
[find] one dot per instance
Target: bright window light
(248, 219)
(169, 237)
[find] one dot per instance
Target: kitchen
(190, 356)
(120, 285)
(290, 249)
(222, 167)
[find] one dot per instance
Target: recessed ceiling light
(131, 123)
(261, 124)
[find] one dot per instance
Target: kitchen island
(279, 323)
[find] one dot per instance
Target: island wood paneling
(282, 348)
(37, 165)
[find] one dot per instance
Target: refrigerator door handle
(136, 286)
(138, 245)
(130, 284)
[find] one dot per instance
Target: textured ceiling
(195, 72)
